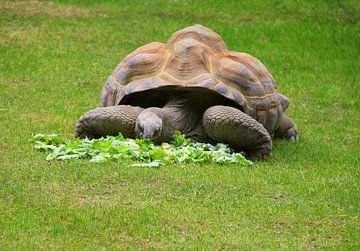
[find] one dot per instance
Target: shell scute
(187, 61)
(238, 75)
(222, 88)
(201, 34)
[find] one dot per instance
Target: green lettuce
(180, 150)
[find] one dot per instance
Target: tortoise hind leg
(231, 126)
(287, 129)
(110, 120)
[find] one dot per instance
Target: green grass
(54, 60)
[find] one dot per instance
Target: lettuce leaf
(180, 150)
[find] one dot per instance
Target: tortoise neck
(184, 113)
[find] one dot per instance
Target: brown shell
(197, 57)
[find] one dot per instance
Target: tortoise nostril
(148, 134)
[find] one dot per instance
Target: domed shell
(197, 57)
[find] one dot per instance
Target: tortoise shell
(197, 57)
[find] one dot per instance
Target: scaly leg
(110, 120)
(231, 126)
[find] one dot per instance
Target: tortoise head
(149, 124)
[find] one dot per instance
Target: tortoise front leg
(231, 126)
(110, 120)
(287, 129)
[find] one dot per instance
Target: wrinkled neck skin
(182, 113)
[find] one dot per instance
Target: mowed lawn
(54, 60)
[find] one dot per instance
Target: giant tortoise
(194, 85)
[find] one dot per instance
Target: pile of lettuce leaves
(180, 150)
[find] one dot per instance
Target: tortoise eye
(141, 126)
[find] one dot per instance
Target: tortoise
(194, 85)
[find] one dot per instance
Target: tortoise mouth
(158, 97)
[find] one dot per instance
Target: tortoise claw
(292, 134)
(259, 154)
(287, 129)
(294, 138)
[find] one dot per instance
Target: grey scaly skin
(110, 120)
(231, 126)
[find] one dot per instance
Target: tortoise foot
(231, 126)
(110, 120)
(292, 134)
(287, 129)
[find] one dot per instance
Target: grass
(54, 60)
